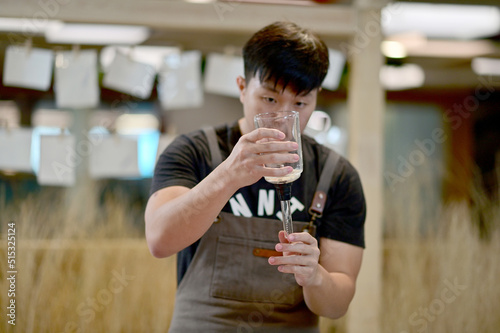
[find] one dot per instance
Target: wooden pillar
(83, 191)
(366, 103)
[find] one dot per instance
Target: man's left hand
(300, 257)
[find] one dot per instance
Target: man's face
(261, 97)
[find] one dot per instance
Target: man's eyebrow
(305, 94)
(272, 87)
(269, 86)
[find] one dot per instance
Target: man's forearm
(179, 222)
(331, 295)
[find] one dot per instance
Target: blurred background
(93, 91)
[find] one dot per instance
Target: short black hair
(287, 54)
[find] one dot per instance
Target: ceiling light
(151, 55)
(403, 77)
(393, 49)
(452, 49)
(417, 45)
(95, 34)
(409, 40)
(486, 66)
(441, 20)
(28, 27)
(200, 1)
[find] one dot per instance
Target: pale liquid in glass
(292, 176)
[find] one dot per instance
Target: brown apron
(229, 285)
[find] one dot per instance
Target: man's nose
(287, 107)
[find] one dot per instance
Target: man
(211, 205)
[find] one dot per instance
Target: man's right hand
(246, 163)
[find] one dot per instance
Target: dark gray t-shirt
(186, 161)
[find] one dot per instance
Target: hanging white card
(15, 149)
(337, 63)
(76, 84)
(28, 68)
(221, 73)
(179, 81)
(130, 77)
(318, 125)
(115, 157)
(58, 159)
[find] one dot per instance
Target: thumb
(282, 237)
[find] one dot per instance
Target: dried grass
(442, 278)
(84, 266)
(72, 249)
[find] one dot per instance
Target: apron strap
(325, 179)
(213, 145)
(319, 199)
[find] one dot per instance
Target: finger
(293, 260)
(261, 133)
(301, 272)
(288, 250)
(280, 149)
(276, 159)
(282, 237)
(274, 172)
(298, 248)
(277, 146)
(303, 237)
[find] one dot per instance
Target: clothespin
(5, 123)
(230, 51)
(76, 51)
(28, 45)
(179, 47)
(59, 59)
(62, 132)
(131, 53)
(173, 59)
(116, 135)
(111, 127)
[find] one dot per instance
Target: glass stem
(287, 217)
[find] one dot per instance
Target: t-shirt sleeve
(345, 215)
(181, 163)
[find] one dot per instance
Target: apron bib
(230, 286)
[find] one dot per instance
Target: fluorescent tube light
(415, 45)
(486, 66)
(200, 1)
(402, 77)
(466, 49)
(393, 49)
(95, 34)
(24, 25)
(441, 20)
(152, 55)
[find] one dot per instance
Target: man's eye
(269, 99)
(300, 104)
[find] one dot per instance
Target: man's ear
(241, 82)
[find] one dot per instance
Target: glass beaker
(288, 123)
